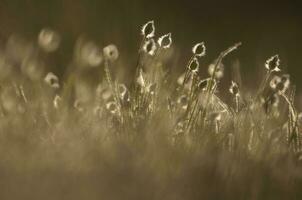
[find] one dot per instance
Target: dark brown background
(265, 28)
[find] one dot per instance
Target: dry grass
(160, 135)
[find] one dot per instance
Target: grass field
(98, 132)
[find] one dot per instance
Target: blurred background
(264, 28)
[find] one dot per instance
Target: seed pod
(57, 101)
(234, 89)
(140, 79)
(194, 65)
(148, 30)
(165, 41)
(202, 85)
(52, 80)
(274, 81)
(111, 52)
(273, 63)
(49, 40)
(199, 49)
(280, 84)
(88, 53)
(150, 47)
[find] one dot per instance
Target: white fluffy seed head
(274, 81)
(194, 65)
(140, 80)
(234, 89)
(49, 40)
(148, 29)
(87, 53)
(111, 52)
(57, 101)
(150, 47)
(280, 84)
(92, 54)
(199, 49)
(52, 80)
(273, 63)
(165, 41)
(203, 84)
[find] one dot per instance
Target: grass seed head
(272, 64)
(148, 29)
(199, 49)
(280, 84)
(194, 66)
(88, 53)
(165, 41)
(150, 47)
(49, 40)
(202, 85)
(57, 101)
(111, 52)
(140, 79)
(234, 89)
(52, 80)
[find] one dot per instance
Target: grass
(161, 135)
